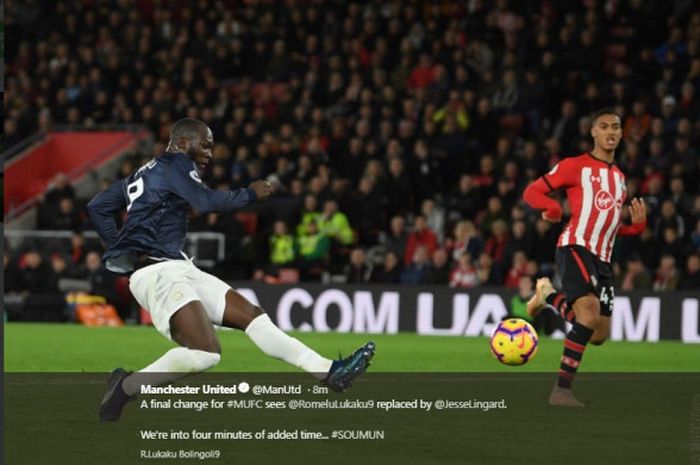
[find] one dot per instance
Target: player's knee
(588, 317)
(256, 311)
(202, 360)
(594, 320)
(241, 307)
(252, 314)
(588, 312)
(599, 336)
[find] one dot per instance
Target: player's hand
(552, 215)
(638, 211)
(262, 188)
(546, 217)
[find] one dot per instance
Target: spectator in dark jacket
(389, 272)
(35, 275)
(690, 277)
(357, 271)
(416, 271)
(439, 273)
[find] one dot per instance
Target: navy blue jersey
(157, 198)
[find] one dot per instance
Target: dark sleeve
(185, 182)
(102, 209)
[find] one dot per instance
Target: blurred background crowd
(399, 134)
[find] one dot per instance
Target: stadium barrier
(637, 316)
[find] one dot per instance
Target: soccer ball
(514, 342)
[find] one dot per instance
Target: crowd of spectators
(399, 134)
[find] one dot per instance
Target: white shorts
(164, 288)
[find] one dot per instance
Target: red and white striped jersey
(596, 192)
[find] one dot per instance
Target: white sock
(275, 343)
(173, 365)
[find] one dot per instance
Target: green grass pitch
(74, 348)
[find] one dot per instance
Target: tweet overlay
(258, 418)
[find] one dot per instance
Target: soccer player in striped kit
(595, 189)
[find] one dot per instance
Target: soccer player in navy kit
(185, 302)
(596, 191)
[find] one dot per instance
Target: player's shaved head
(193, 137)
(188, 128)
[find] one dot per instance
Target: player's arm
(102, 209)
(638, 214)
(536, 195)
(185, 182)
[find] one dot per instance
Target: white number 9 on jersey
(134, 191)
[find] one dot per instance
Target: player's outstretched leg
(563, 397)
(191, 328)
(587, 310)
(345, 370)
(545, 295)
(338, 374)
(543, 288)
(115, 398)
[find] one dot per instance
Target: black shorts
(583, 273)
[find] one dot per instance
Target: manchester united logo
(604, 200)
